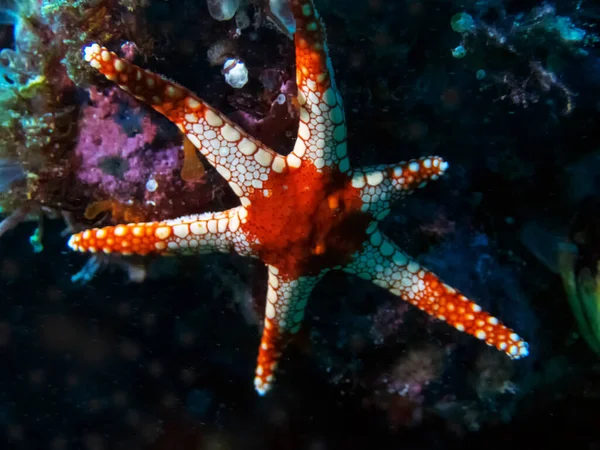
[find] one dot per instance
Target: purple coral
(117, 155)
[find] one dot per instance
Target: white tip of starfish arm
(443, 164)
(91, 51)
(73, 243)
(380, 185)
(405, 175)
(261, 387)
(518, 350)
(428, 167)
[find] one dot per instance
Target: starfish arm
(197, 234)
(286, 301)
(381, 185)
(322, 128)
(233, 152)
(383, 263)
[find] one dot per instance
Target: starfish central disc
(305, 221)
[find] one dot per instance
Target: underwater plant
(583, 291)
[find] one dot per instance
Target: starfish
(304, 214)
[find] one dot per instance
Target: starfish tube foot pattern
(303, 214)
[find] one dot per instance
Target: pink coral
(119, 163)
(128, 159)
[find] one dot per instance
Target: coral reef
(40, 101)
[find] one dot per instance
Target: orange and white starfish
(303, 214)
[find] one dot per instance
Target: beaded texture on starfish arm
(237, 156)
(383, 263)
(286, 302)
(203, 233)
(384, 184)
(322, 128)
